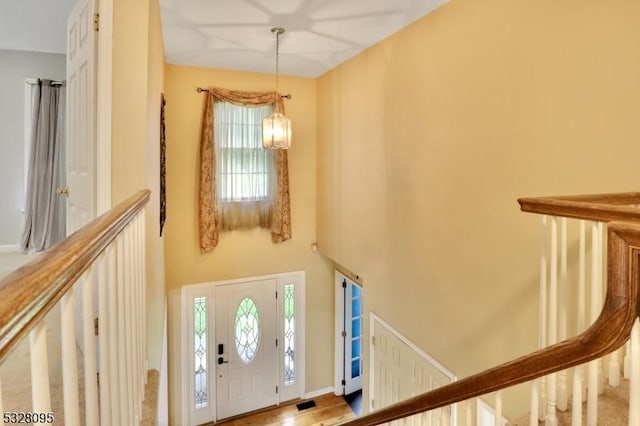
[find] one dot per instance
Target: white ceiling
(235, 34)
(34, 25)
(320, 34)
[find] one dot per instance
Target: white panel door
(245, 350)
(81, 113)
(401, 372)
(80, 130)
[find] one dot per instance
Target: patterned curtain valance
(209, 224)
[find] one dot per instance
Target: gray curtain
(45, 210)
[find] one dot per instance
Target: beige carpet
(16, 373)
(613, 409)
(150, 403)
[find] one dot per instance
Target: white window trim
(207, 289)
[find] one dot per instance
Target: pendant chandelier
(276, 129)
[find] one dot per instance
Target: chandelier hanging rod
(200, 90)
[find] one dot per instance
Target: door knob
(63, 191)
(222, 361)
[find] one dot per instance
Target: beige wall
(243, 253)
(156, 294)
(426, 140)
(138, 81)
(129, 97)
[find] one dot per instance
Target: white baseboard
(319, 392)
(10, 248)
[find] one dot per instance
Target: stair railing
(615, 324)
(107, 257)
(552, 394)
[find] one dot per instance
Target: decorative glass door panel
(356, 331)
(245, 351)
(289, 334)
(201, 370)
(353, 337)
(247, 330)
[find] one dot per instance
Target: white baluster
(143, 260)
(90, 369)
(40, 395)
(133, 272)
(614, 369)
(551, 419)
(634, 385)
(563, 403)
(123, 391)
(534, 415)
(135, 303)
(576, 402)
(133, 284)
(627, 360)
(136, 318)
(446, 416)
(601, 292)
(135, 327)
(69, 359)
(578, 372)
(132, 402)
(103, 338)
(468, 413)
(592, 391)
(498, 418)
(114, 330)
(582, 269)
(582, 296)
(614, 357)
(542, 317)
(140, 302)
(129, 326)
(143, 293)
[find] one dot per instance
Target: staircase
(565, 372)
(599, 268)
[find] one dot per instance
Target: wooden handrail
(609, 332)
(598, 207)
(28, 293)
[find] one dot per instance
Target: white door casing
(245, 347)
(202, 305)
(81, 114)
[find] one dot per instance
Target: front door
(245, 350)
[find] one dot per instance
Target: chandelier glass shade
(276, 132)
(276, 129)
